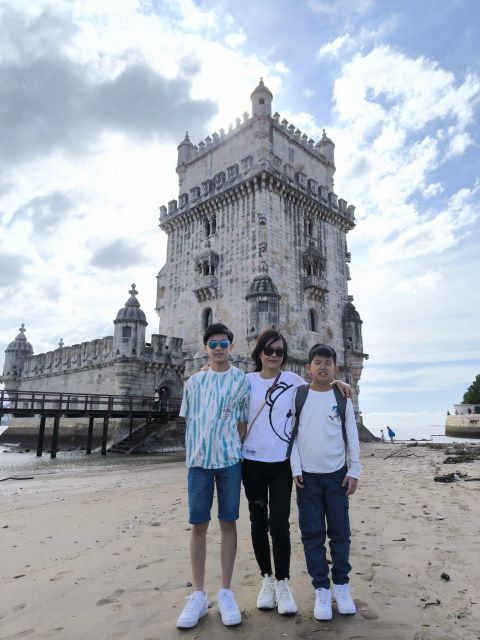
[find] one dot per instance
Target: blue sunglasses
(223, 344)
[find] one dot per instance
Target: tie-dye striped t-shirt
(212, 404)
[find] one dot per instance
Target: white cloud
(334, 47)
(432, 190)
(235, 40)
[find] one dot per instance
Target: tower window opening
(261, 101)
(127, 332)
(213, 228)
(207, 228)
(207, 318)
(312, 320)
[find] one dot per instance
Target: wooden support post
(41, 434)
(56, 428)
(130, 429)
(104, 436)
(90, 435)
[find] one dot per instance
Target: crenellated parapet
(295, 186)
(95, 353)
(257, 145)
(163, 351)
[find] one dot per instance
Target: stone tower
(257, 238)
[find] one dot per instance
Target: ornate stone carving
(183, 200)
(247, 164)
(301, 180)
(206, 187)
(219, 180)
(232, 172)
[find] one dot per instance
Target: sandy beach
(100, 552)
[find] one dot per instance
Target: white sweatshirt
(319, 445)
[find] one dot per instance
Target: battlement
(97, 353)
(223, 182)
(296, 136)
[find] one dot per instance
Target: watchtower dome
(261, 98)
(130, 323)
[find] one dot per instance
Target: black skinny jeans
(268, 487)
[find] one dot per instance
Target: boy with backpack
(215, 404)
(325, 462)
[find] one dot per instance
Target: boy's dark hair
(217, 328)
(265, 339)
(324, 350)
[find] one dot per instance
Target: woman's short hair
(265, 339)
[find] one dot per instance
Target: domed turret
(263, 301)
(130, 323)
(15, 354)
(352, 327)
(184, 150)
(261, 100)
(326, 147)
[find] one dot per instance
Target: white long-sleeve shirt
(319, 445)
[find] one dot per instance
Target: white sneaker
(228, 608)
(285, 602)
(323, 604)
(266, 595)
(345, 603)
(195, 608)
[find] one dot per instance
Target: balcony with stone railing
(205, 287)
(315, 286)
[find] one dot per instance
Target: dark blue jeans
(323, 510)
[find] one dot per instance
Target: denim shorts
(201, 484)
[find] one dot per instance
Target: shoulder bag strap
(270, 389)
(300, 398)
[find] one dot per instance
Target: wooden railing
(25, 403)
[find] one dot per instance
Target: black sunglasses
(268, 351)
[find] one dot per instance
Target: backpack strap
(300, 398)
(342, 408)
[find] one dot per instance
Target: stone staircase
(159, 433)
(133, 441)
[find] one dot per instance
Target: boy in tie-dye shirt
(215, 405)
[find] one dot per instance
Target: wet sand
(100, 552)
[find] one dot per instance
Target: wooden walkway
(27, 404)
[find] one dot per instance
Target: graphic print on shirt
(284, 428)
(334, 414)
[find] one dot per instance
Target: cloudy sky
(95, 95)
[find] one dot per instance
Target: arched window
(207, 228)
(214, 224)
(207, 318)
(312, 320)
(310, 228)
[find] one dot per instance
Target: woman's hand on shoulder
(343, 387)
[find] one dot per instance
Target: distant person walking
(382, 435)
(391, 435)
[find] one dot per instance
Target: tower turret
(326, 147)
(15, 354)
(261, 100)
(184, 156)
(263, 301)
(130, 323)
(184, 150)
